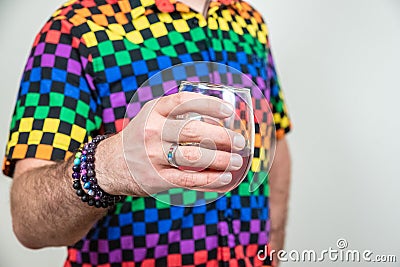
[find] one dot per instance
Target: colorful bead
(80, 192)
(77, 161)
(97, 204)
(90, 158)
(77, 185)
(84, 170)
(90, 173)
(91, 202)
(87, 185)
(85, 198)
(84, 178)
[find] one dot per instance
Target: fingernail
(236, 161)
(226, 178)
(226, 109)
(239, 141)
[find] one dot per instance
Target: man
(84, 67)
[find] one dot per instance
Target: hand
(146, 141)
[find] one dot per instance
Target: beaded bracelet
(83, 172)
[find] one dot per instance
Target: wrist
(113, 175)
(108, 161)
(85, 179)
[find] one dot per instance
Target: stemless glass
(241, 121)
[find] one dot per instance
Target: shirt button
(228, 215)
(194, 22)
(255, 58)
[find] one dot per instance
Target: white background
(339, 66)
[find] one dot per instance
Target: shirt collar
(137, 8)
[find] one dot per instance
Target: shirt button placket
(199, 21)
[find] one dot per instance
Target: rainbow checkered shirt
(86, 64)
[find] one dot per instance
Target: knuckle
(180, 98)
(151, 132)
(190, 131)
(187, 179)
(223, 136)
(222, 160)
(190, 155)
(149, 106)
(217, 162)
(152, 154)
(208, 159)
(209, 178)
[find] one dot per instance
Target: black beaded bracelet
(84, 173)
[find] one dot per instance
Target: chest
(154, 41)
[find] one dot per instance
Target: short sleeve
(279, 109)
(56, 108)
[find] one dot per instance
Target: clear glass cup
(253, 118)
(241, 121)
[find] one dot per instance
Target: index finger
(185, 102)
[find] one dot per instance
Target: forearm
(45, 208)
(279, 197)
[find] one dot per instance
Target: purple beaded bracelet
(84, 173)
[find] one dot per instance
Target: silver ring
(171, 155)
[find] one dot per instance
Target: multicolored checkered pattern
(85, 66)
